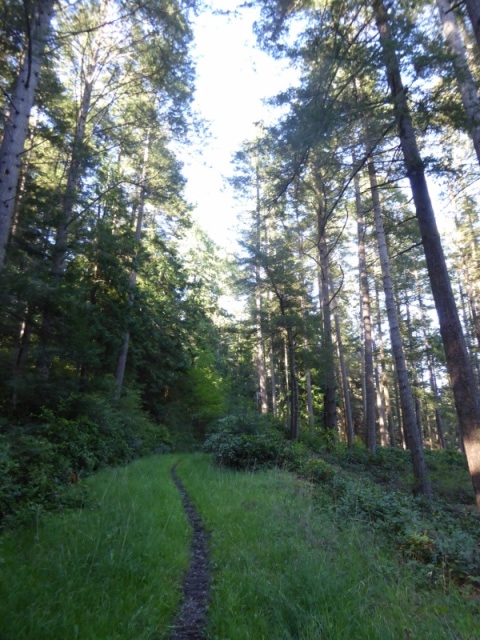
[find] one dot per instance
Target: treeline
(362, 321)
(108, 348)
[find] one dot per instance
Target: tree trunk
(459, 367)
(294, 424)
(473, 10)
(308, 384)
(369, 401)
(16, 122)
(428, 353)
(383, 379)
(382, 416)
(465, 80)
(122, 359)
(330, 397)
(75, 172)
(261, 369)
(344, 377)
(421, 481)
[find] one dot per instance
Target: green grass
(111, 571)
(287, 568)
(287, 565)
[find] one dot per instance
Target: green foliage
(319, 471)
(208, 393)
(38, 462)
(239, 443)
(442, 541)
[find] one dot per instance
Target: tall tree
(21, 102)
(412, 436)
(458, 363)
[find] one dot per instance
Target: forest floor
(197, 552)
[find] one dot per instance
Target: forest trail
(191, 621)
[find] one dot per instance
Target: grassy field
(285, 565)
(108, 572)
(287, 568)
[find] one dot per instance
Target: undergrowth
(40, 459)
(440, 539)
(290, 564)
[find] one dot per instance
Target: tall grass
(287, 568)
(109, 572)
(285, 565)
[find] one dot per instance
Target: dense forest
(362, 322)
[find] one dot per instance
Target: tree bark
(369, 427)
(431, 372)
(465, 80)
(459, 367)
(261, 369)
(383, 379)
(122, 359)
(330, 397)
(344, 377)
(420, 473)
(16, 122)
(473, 10)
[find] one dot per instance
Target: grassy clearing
(287, 567)
(109, 572)
(288, 564)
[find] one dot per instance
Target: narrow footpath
(191, 621)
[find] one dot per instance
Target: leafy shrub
(39, 461)
(434, 535)
(253, 451)
(319, 471)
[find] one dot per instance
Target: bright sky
(233, 77)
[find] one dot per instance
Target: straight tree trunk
(431, 372)
(383, 379)
(382, 416)
(261, 369)
(16, 122)
(75, 172)
(330, 397)
(273, 380)
(473, 10)
(122, 359)
(308, 385)
(294, 421)
(344, 376)
(369, 401)
(465, 80)
(462, 378)
(420, 473)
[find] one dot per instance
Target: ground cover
(111, 571)
(287, 563)
(288, 566)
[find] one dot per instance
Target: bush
(430, 534)
(246, 421)
(319, 471)
(253, 451)
(40, 460)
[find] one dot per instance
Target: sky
(233, 77)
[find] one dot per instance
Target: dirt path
(191, 621)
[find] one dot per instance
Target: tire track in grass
(191, 621)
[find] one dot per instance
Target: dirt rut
(191, 622)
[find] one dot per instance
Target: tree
(459, 366)
(21, 102)
(412, 435)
